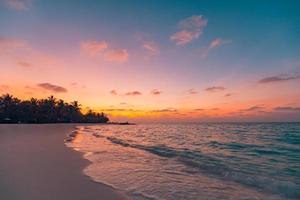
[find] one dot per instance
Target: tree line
(49, 110)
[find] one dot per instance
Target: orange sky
(188, 67)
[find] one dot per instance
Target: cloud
(203, 109)
(193, 22)
(24, 64)
(117, 55)
(155, 92)
(191, 91)
(19, 4)
(8, 45)
(53, 88)
(166, 110)
(184, 37)
(133, 93)
(287, 109)
(218, 42)
(252, 109)
(93, 48)
(228, 95)
(215, 89)
(113, 92)
(190, 29)
(280, 78)
(214, 44)
(152, 47)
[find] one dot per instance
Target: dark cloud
(53, 88)
(228, 95)
(287, 108)
(133, 93)
(165, 110)
(155, 92)
(113, 92)
(215, 89)
(273, 79)
(253, 108)
(192, 91)
(203, 109)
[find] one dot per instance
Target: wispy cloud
(93, 48)
(166, 110)
(151, 47)
(228, 95)
(280, 78)
(215, 89)
(24, 64)
(113, 92)
(52, 87)
(287, 109)
(117, 55)
(192, 91)
(190, 29)
(218, 42)
(133, 93)
(252, 109)
(206, 109)
(19, 4)
(214, 44)
(155, 92)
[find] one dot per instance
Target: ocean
(199, 161)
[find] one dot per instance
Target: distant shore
(35, 164)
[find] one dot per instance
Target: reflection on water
(194, 161)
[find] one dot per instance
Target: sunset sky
(156, 60)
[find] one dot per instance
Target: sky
(156, 60)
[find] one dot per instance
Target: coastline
(36, 164)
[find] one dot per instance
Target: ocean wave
(218, 168)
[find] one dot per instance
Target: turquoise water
(194, 161)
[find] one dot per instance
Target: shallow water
(194, 161)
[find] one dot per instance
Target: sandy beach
(36, 165)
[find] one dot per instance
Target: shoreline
(36, 164)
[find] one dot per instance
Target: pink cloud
(191, 29)
(24, 64)
(93, 48)
(155, 92)
(117, 55)
(113, 92)
(151, 46)
(19, 4)
(214, 44)
(218, 42)
(185, 36)
(193, 22)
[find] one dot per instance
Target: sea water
(187, 161)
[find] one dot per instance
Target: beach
(35, 164)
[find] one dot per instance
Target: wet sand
(36, 165)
